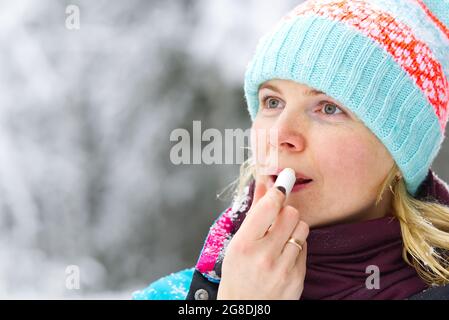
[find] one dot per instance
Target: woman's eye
(330, 108)
(270, 102)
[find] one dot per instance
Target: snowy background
(86, 116)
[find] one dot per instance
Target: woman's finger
(301, 261)
(259, 191)
(261, 216)
(289, 256)
(282, 228)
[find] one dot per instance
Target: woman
(357, 94)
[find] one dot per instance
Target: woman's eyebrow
(313, 92)
(309, 93)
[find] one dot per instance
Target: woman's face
(318, 137)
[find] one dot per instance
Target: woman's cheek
(345, 158)
(260, 145)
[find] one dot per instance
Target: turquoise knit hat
(385, 60)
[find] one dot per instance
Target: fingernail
(282, 189)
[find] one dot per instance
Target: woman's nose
(288, 134)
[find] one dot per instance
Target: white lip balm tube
(285, 181)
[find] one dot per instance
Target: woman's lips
(299, 184)
(276, 172)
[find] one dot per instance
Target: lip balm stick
(285, 181)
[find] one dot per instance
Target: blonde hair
(424, 224)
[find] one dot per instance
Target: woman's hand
(259, 263)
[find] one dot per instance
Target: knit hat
(386, 60)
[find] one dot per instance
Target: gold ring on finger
(296, 242)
